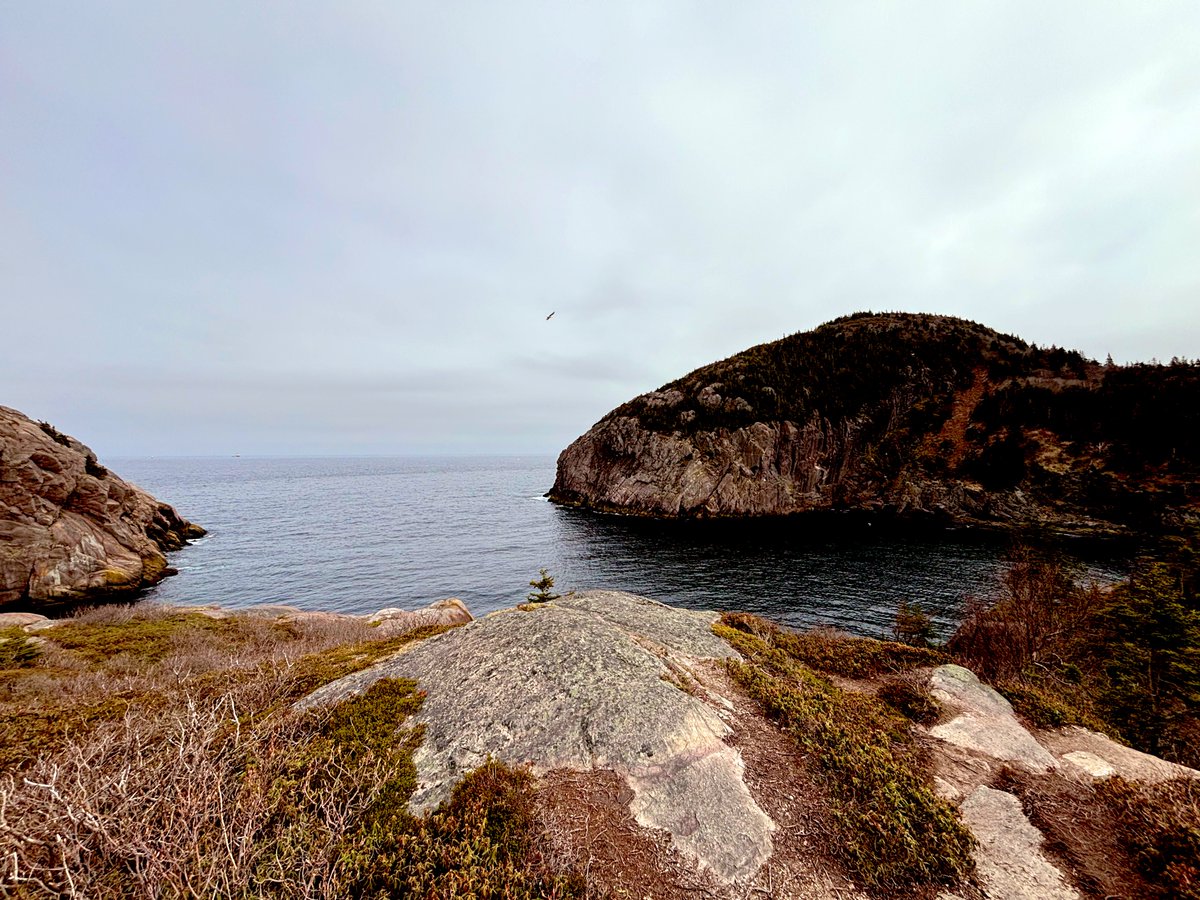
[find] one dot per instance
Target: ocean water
(359, 534)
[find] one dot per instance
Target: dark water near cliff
(356, 535)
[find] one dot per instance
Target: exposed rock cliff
(71, 530)
(903, 414)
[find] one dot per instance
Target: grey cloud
(341, 227)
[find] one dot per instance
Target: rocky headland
(71, 530)
(916, 416)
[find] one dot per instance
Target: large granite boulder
(70, 530)
(587, 682)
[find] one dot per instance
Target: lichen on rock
(587, 682)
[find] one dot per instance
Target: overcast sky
(337, 228)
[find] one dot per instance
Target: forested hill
(904, 413)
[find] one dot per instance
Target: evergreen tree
(912, 626)
(543, 584)
(1153, 651)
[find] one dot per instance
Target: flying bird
(551, 316)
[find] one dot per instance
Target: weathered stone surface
(959, 688)
(393, 621)
(1090, 763)
(1009, 860)
(582, 683)
(985, 722)
(792, 427)
(1093, 751)
(71, 530)
(20, 619)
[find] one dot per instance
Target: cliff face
(903, 414)
(71, 530)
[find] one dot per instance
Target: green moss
(369, 720)
(144, 639)
(1048, 707)
(483, 842)
(115, 579)
(316, 669)
(893, 831)
(17, 650)
(831, 653)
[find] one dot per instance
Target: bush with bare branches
(153, 753)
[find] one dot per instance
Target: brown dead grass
(160, 769)
(1082, 834)
(589, 829)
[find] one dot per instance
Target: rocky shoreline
(908, 416)
(71, 531)
(388, 623)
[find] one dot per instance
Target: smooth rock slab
(959, 687)
(1076, 744)
(21, 619)
(1090, 763)
(1009, 860)
(1000, 738)
(986, 723)
(581, 683)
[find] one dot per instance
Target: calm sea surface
(356, 535)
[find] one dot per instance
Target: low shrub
(185, 771)
(912, 625)
(148, 636)
(832, 652)
(17, 650)
(893, 831)
(483, 842)
(909, 696)
(1052, 707)
(1161, 828)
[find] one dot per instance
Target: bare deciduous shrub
(156, 771)
(151, 754)
(1039, 614)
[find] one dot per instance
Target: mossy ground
(151, 753)
(1053, 705)
(894, 833)
(834, 653)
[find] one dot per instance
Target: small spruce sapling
(913, 626)
(543, 594)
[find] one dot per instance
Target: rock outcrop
(979, 741)
(70, 530)
(984, 722)
(904, 415)
(587, 682)
(393, 621)
(389, 623)
(627, 702)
